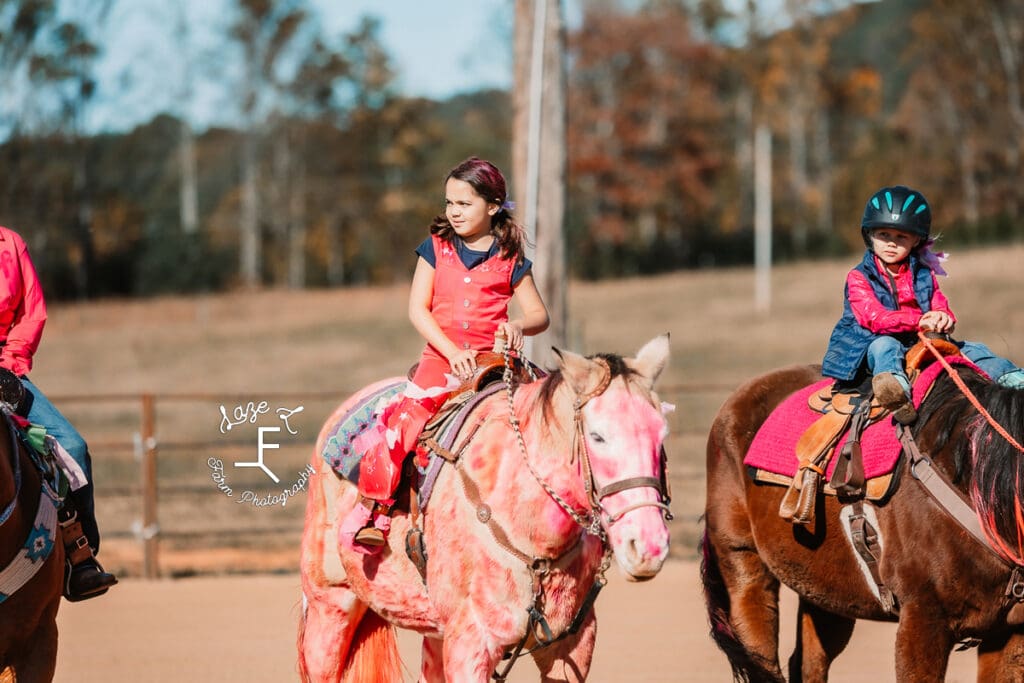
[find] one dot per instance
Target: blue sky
(438, 49)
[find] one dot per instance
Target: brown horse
(948, 586)
(28, 614)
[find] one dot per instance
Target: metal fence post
(150, 526)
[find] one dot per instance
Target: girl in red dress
(468, 270)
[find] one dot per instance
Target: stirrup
(101, 581)
(79, 558)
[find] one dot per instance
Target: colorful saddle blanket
(774, 446)
(339, 449)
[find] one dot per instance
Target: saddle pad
(338, 450)
(774, 445)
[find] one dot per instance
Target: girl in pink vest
(468, 270)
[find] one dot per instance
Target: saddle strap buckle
(1015, 587)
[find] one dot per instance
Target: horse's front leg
(432, 656)
(569, 659)
(820, 637)
(37, 662)
(470, 652)
(1001, 659)
(923, 644)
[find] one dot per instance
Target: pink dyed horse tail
(373, 657)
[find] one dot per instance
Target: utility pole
(539, 157)
(763, 219)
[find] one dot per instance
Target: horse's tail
(716, 598)
(373, 656)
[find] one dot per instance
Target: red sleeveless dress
(468, 304)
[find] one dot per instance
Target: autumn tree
(646, 139)
(264, 30)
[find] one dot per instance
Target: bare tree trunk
(250, 248)
(798, 175)
(970, 184)
(278, 209)
(297, 223)
(823, 162)
(966, 159)
(189, 199)
(548, 182)
(1008, 36)
(763, 219)
(1009, 33)
(744, 151)
(83, 223)
(336, 251)
(188, 207)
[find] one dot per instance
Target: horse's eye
(596, 437)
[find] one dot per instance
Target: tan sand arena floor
(243, 629)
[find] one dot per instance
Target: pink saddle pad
(774, 445)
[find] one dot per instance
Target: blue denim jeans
(982, 356)
(42, 412)
(886, 354)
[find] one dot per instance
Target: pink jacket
(870, 312)
(22, 308)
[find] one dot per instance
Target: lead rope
(592, 523)
(539, 568)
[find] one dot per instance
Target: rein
(591, 522)
(943, 493)
(968, 393)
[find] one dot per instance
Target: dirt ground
(243, 629)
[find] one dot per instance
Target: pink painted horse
(522, 523)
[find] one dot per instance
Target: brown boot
(893, 397)
(84, 578)
(375, 533)
(371, 535)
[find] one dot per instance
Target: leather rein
(946, 496)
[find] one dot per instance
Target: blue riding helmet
(897, 207)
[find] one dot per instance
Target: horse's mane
(993, 466)
(616, 364)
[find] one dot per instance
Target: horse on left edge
(31, 562)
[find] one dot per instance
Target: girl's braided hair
(488, 182)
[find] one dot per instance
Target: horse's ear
(652, 359)
(576, 370)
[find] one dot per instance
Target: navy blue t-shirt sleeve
(520, 271)
(426, 252)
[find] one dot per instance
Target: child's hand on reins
(937, 321)
(513, 333)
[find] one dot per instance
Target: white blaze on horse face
(624, 432)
